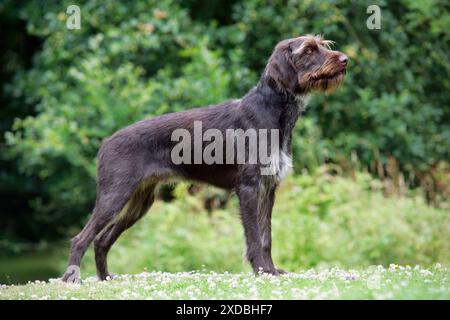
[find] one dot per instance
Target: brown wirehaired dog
(135, 159)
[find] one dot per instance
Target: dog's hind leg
(106, 208)
(80, 243)
(139, 203)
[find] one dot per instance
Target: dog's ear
(281, 69)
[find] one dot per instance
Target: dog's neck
(268, 87)
(284, 106)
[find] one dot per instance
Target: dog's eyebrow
(309, 41)
(327, 43)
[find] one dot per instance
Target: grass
(376, 282)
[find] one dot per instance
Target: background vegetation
(320, 220)
(372, 178)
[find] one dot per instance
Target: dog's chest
(281, 162)
(280, 165)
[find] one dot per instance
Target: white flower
(426, 273)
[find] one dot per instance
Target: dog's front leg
(266, 202)
(248, 193)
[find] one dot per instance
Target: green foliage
(318, 220)
(16, 54)
(334, 220)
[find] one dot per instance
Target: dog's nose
(343, 59)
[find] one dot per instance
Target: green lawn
(395, 282)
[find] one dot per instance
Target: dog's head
(303, 64)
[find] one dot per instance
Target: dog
(135, 159)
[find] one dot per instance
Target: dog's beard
(326, 79)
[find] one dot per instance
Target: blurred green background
(372, 176)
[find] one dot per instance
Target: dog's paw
(266, 272)
(72, 275)
(107, 277)
(271, 271)
(281, 271)
(70, 278)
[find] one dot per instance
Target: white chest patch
(280, 165)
